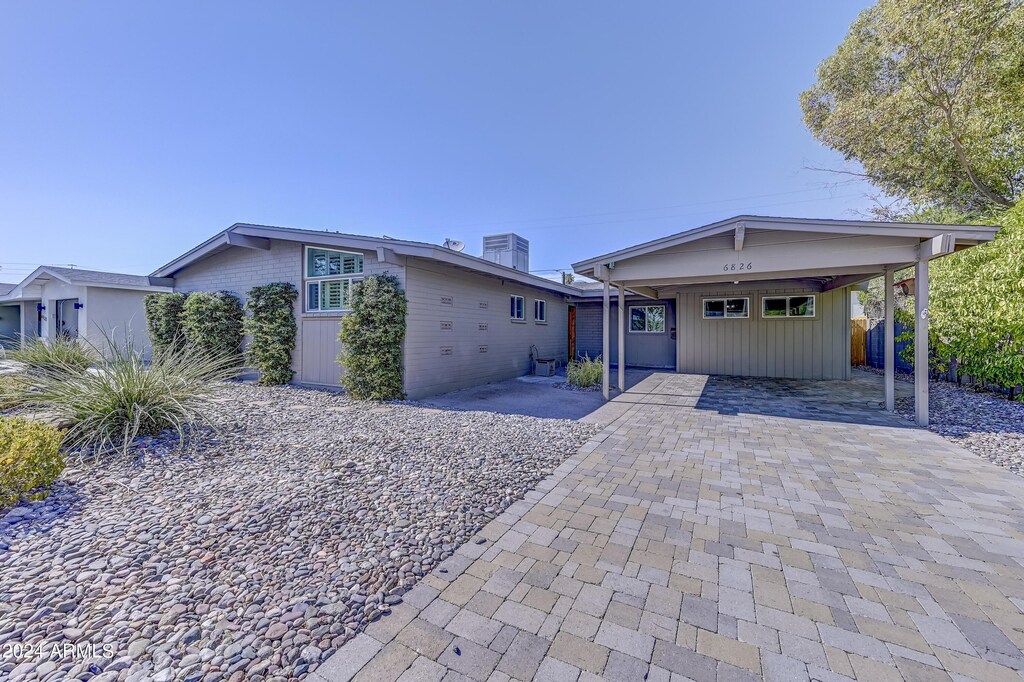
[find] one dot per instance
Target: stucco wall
(10, 325)
(657, 350)
(460, 333)
(796, 348)
(239, 269)
(119, 314)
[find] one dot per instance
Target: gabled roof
(92, 278)
(257, 236)
(964, 234)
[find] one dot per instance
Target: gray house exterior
(460, 331)
(748, 296)
(769, 297)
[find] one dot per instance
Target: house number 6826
(732, 267)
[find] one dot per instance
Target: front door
(572, 333)
(67, 318)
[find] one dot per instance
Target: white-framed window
(726, 308)
(788, 306)
(540, 310)
(329, 276)
(647, 319)
(517, 308)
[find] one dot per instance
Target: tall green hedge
(371, 337)
(163, 319)
(976, 308)
(213, 322)
(271, 324)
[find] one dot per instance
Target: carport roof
(965, 235)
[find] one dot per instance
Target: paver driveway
(730, 529)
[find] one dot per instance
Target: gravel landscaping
(983, 422)
(256, 552)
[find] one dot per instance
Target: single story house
(470, 320)
(748, 296)
(89, 304)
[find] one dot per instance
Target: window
(329, 278)
(540, 310)
(787, 306)
(716, 308)
(517, 308)
(647, 319)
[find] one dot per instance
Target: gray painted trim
(963, 234)
(396, 246)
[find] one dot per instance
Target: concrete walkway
(730, 529)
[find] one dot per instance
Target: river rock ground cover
(986, 423)
(259, 549)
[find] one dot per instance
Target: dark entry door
(572, 333)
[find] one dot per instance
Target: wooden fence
(859, 341)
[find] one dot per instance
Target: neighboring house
(87, 304)
(470, 320)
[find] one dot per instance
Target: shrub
(124, 398)
(163, 319)
(212, 323)
(585, 372)
(62, 354)
(12, 391)
(30, 458)
(271, 324)
(372, 337)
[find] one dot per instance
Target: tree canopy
(928, 97)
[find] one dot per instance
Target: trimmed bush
(212, 323)
(30, 459)
(271, 324)
(62, 354)
(585, 372)
(372, 336)
(163, 319)
(111, 405)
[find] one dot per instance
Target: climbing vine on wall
(371, 337)
(271, 326)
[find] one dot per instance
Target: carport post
(921, 342)
(890, 344)
(605, 351)
(622, 339)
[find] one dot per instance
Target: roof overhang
(259, 236)
(822, 254)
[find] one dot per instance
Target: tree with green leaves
(928, 97)
(371, 337)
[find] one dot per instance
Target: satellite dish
(454, 244)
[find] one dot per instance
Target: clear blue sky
(129, 132)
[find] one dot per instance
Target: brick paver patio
(730, 529)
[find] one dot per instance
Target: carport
(769, 297)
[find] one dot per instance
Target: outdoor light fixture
(79, 306)
(40, 307)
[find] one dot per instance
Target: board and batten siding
(460, 332)
(794, 348)
(656, 350)
(238, 269)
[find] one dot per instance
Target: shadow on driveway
(530, 396)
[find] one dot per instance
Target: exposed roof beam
(849, 280)
(938, 246)
(248, 242)
(741, 231)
